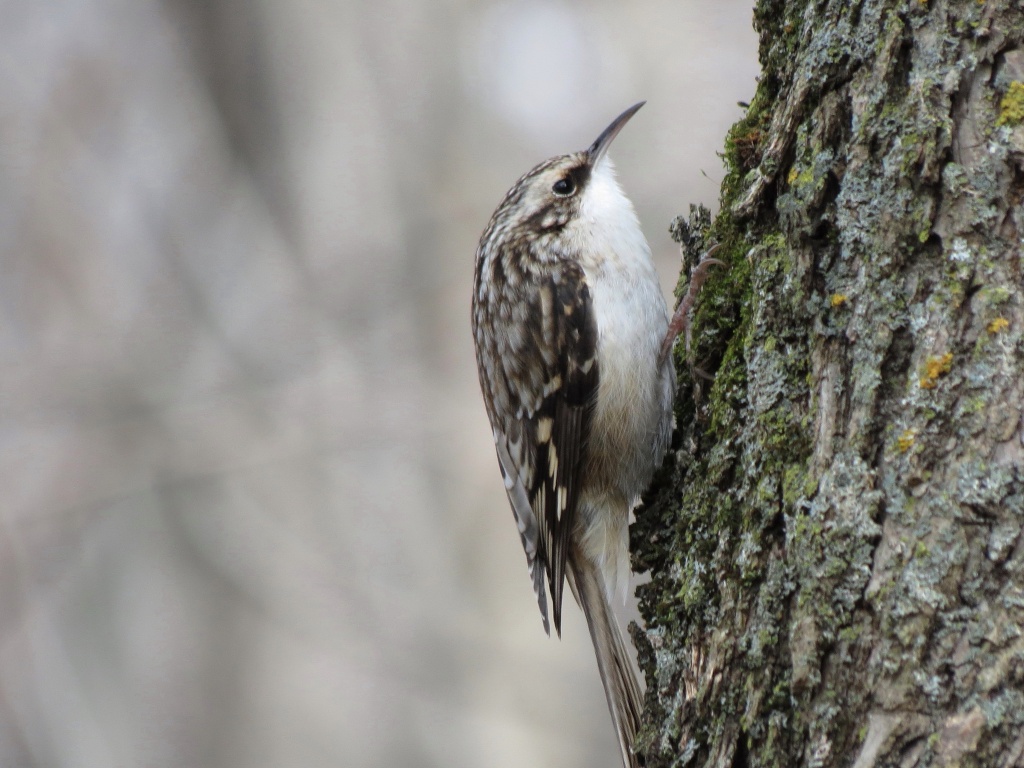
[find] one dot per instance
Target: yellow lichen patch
(998, 325)
(793, 173)
(1011, 106)
(905, 441)
(838, 299)
(934, 368)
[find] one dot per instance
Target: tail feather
(621, 688)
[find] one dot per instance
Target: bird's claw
(680, 321)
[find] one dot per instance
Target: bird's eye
(564, 186)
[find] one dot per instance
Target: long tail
(621, 688)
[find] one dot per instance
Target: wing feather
(542, 385)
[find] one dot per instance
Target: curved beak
(600, 147)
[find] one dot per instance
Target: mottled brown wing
(542, 376)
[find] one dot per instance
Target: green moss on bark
(830, 537)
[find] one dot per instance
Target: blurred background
(250, 513)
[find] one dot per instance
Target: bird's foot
(680, 322)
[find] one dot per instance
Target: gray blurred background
(250, 514)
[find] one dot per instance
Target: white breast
(633, 415)
(634, 401)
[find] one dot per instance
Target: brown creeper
(572, 333)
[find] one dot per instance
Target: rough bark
(836, 541)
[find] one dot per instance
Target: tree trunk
(836, 541)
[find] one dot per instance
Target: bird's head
(566, 195)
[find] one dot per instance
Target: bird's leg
(681, 318)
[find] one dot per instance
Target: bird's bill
(600, 147)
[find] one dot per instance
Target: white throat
(635, 399)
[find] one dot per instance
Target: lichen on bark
(835, 540)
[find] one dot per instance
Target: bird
(573, 341)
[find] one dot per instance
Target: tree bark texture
(836, 541)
